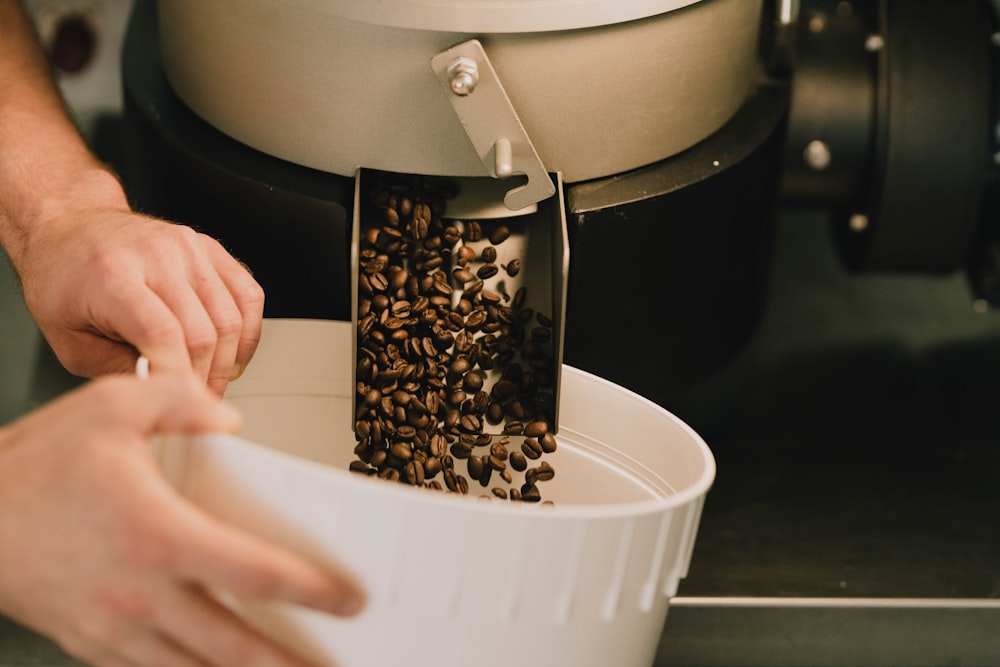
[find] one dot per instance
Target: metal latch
(491, 123)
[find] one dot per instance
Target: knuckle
(229, 323)
(201, 340)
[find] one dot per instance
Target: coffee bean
(499, 234)
(535, 429)
(473, 231)
(465, 255)
(431, 342)
(544, 472)
(475, 465)
(531, 448)
(461, 450)
(472, 382)
(414, 473)
(487, 271)
(402, 451)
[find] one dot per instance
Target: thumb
(179, 402)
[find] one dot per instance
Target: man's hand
(109, 285)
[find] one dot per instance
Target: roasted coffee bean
(513, 428)
(471, 423)
(531, 448)
(401, 451)
(414, 473)
(378, 458)
(475, 288)
(530, 493)
(544, 472)
(499, 234)
(535, 429)
(390, 474)
(475, 466)
(472, 382)
(499, 450)
(423, 305)
(462, 275)
(485, 476)
(465, 307)
(359, 466)
(461, 450)
(392, 217)
(432, 466)
(487, 271)
(499, 492)
(460, 365)
(473, 231)
(450, 480)
(519, 298)
(373, 397)
(465, 255)
(475, 320)
(494, 413)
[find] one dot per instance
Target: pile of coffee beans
(455, 375)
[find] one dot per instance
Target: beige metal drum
(456, 581)
(600, 87)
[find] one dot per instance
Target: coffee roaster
(676, 129)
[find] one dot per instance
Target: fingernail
(236, 372)
(349, 604)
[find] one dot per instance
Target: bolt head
(463, 76)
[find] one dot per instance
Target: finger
(165, 403)
(208, 629)
(219, 303)
(149, 647)
(221, 557)
(90, 354)
(187, 305)
(249, 298)
(145, 321)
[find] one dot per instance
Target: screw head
(463, 76)
(817, 155)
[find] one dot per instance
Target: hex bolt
(874, 43)
(463, 75)
(817, 155)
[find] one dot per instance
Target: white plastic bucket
(451, 580)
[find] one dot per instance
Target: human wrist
(37, 210)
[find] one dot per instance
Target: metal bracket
(490, 121)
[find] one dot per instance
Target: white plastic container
(456, 581)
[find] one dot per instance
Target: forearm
(45, 166)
